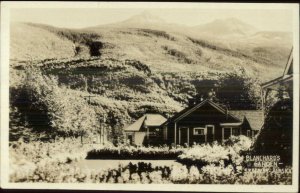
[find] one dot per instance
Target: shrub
(130, 152)
(229, 153)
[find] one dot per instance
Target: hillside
(229, 33)
(118, 73)
(32, 43)
(164, 51)
(49, 95)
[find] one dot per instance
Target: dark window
(227, 133)
(199, 131)
(235, 131)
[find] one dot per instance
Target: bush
(229, 153)
(130, 152)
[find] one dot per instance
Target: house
(146, 130)
(208, 121)
(284, 82)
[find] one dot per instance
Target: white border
(6, 6)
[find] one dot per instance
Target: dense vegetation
(57, 163)
(276, 137)
(74, 97)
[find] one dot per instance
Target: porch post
(222, 133)
(148, 133)
(205, 132)
(188, 136)
(179, 137)
(175, 133)
(166, 133)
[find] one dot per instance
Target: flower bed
(146, 174)
(207, 164)
(24, 158)
(139, 153)
(229, 153)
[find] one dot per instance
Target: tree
(238, 91)
(276, 137)
(69, 113)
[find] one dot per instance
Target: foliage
(182, 57)
(276, 136)
(130, 152)
(238, 91)
(206, 44)
(228, 154)
(25, 159)
(56, 162)
(146, 174)
(157, 33)
(123, 89)
(68, 115)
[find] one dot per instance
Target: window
(235, 131)
(199, 131)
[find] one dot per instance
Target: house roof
(187, 111)
(286, 77)
(254, 117)
(289, 66)
(136, 126)
(146, 120)
(154, 120)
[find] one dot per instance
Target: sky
(263, 19)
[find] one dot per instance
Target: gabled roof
(146, 120)
(289, 66)
(154, 120)
(254, 117)
(136, 126)
(286, 77)
(189, 110)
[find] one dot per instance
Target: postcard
(150, 96)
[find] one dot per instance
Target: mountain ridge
(165, 50)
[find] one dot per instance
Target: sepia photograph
(150, 96)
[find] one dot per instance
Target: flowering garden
(200, 164)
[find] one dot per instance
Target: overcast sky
(263, 19)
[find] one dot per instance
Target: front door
(183, 136)
(210, 133)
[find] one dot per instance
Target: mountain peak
(145, 17)
(228, 26)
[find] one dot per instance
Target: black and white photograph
(150, 96)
